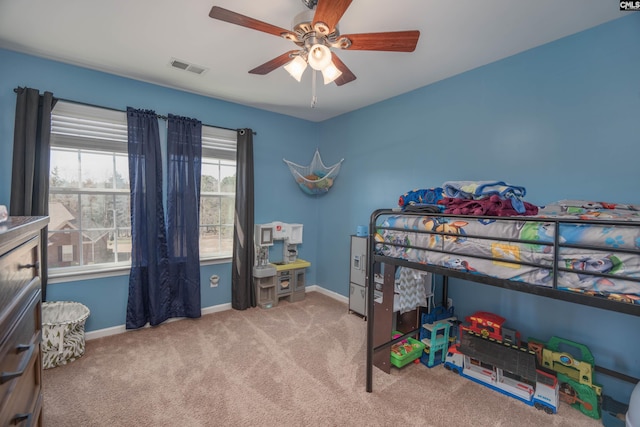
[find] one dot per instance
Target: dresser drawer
(20, 359)
(17, 268)
(23, 405)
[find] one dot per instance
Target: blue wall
(562, 119)
(277, 195)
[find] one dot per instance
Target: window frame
(87, 130)
(218, 146)
(217, 143)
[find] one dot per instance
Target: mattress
(598, 253)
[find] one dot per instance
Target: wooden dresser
(20, 321)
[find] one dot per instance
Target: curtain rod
(122, 111)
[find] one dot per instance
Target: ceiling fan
(316, 33)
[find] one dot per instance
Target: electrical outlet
(213, 281)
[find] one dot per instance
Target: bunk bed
(583, 256)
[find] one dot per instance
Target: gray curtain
(242, 291)
(30, 170)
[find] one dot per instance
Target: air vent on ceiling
(183, 65)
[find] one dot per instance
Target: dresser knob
(34, 265)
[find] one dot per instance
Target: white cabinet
(358, 276)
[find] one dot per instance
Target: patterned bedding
(594, 256)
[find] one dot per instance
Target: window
(89, 226)
(89, 203)
(217, 192)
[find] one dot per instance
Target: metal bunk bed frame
(375, 343)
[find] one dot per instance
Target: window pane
(209, 210)
(96, 250)
(226, 239)
(209, 241)
(123, 242)
(227, 210)
(216, 240)
(210, 177)
(97, 211)
(122, 173)
(228, 178)
(97, 170)
(65, 167)
(63, 209)
(63, 249)
(96, 223)
(123, 212)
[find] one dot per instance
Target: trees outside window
(89, 201)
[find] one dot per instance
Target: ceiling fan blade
(329, 12)
(395, 41)
(238, 19)
(346, 76)
(269, 66)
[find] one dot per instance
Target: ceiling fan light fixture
(319, 57)
(315, 32)
(330, 73)
(296, 67)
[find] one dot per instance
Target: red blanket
(492, 206)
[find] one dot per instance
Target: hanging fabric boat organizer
(315, 178)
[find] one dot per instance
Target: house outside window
(89, 201)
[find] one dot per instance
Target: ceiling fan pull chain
(314, 98)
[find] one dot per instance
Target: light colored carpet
(297, 364)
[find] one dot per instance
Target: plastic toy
(435, 334)
(436, 344)
(574, 374)
(492, 326)
(406, 351)
(507, 369)
(537, 373)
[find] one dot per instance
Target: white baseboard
(100, 333)
(115, 330)
(216, 308)
(323, 291)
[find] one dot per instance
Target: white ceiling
(138, 38)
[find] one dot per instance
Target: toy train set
(539, 374)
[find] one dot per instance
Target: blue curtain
(149, 293)
(184, 152)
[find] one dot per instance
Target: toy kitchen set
(284, 279)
